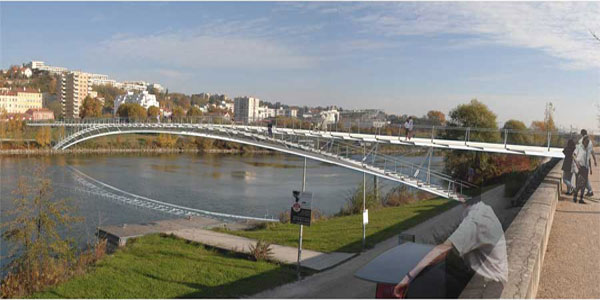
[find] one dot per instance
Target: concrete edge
(526, 242)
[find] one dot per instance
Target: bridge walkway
(572, 262)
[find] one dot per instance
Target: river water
(255, 185)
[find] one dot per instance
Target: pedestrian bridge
(355, 151)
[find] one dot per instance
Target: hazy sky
(400, 57)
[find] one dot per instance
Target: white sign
(366, 216)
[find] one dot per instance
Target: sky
(401, 57)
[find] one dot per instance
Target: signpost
(297, 209)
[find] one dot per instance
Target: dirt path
(572, 263)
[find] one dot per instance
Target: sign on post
(301, 208)
(366, 216)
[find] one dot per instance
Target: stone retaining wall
(526, 241)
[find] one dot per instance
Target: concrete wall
(526, 240)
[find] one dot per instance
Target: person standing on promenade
(581, 157)
(584, 133)
(567, 166)
(408, 127)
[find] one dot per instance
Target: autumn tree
(516, 133)
(178, 112)
(166, 140)
(91, 108)
(132, 111)
(194, 112)
(38, 255)
(436, 117)
(153, 112)
(43, 136)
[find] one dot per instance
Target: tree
(132, 111)
(91, 108)
(109, 93)
(436, 117)
(166, 140)
(475, 115)
(178, 112)
(516, 133)
(194, 112)
(38, 254)
(153, 112)
(43, 136)
(55, 107)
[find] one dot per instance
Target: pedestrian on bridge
(567, 166)
(590, 147)
(270, 128)
(408, 127)
(582, 160)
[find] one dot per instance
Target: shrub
(261, 251)
(354, 201)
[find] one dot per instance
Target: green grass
(344, 234)
(157, 266)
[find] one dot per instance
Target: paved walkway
(572, 263)
(310, 259)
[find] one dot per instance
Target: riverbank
(161, 266)
(116, 150)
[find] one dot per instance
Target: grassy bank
(157, 266)
(345, 233)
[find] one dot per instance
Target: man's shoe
(589, 194)
(581, 202)
(569, 193)
(575, 200)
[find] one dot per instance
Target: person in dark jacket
(567, 166)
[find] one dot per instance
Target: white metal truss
(343, 152)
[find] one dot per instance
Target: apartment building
(144, 99)
(20, 100)
(74, 87)
(246, 109)
(41, 66)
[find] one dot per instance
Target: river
(252, 185)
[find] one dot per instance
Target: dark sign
(301, 208)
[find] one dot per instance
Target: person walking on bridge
(582, 160)
(584, 133)
(408, 127)
(567, 166)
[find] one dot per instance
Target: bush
(402, 194)
(354, 201)
(261, 251)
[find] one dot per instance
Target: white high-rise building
(144, 99)
(246, 109)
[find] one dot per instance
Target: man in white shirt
(590, 149)
(479, 240)
(581, 158)
(408, 127)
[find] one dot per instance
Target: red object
(386, 291)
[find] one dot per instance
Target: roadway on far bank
(571, 266)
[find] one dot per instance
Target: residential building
(246, 109)
(19, 101)
(38, 114)
(159, 88)
(41, 66)
(366, 118)
(129, 86)
(144, 99)
(74, 87)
